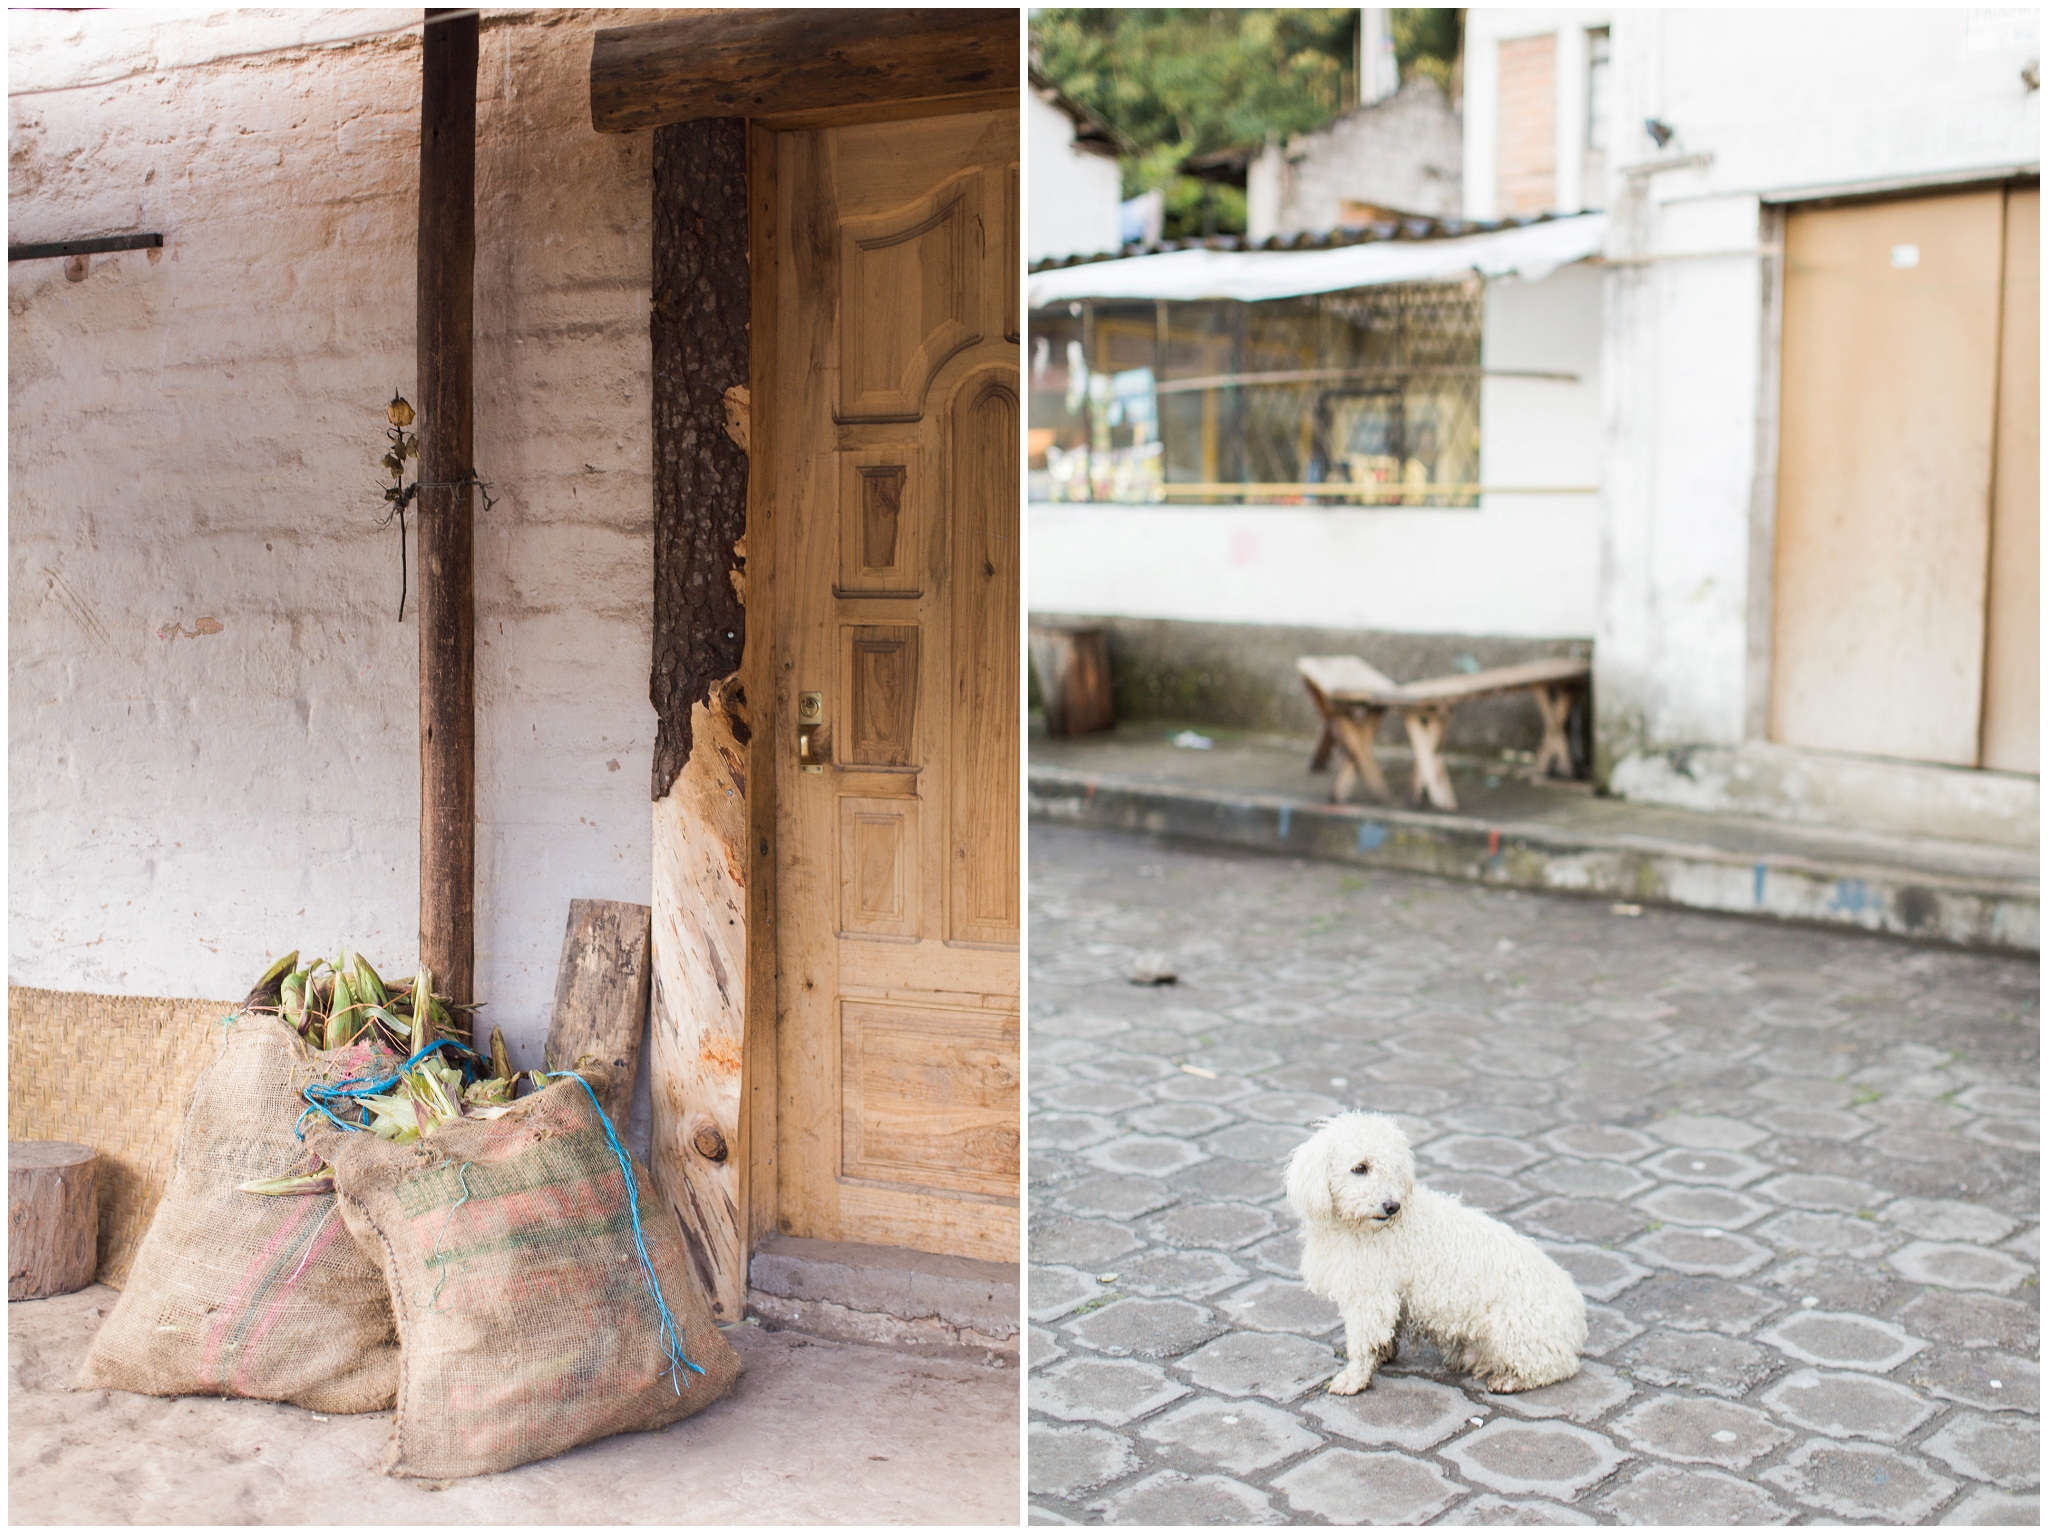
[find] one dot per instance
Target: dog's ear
(1308, 1179)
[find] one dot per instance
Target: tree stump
(1073, 677)
(53, 1218)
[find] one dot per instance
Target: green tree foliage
(1181, 83)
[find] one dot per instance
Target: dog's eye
(1361, 1169)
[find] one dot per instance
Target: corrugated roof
(1418, 227)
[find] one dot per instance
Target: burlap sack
(242, 1294)
(526, 1323)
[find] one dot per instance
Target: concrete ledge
(932, 1304)
(1971, 910)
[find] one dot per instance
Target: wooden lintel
(781, 63)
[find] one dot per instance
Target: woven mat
(115, 1073)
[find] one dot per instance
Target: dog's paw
(1350, 1382)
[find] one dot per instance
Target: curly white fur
(1389, 1254)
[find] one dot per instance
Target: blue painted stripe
(1371, 836)
(1758, 872)
(1286, 814)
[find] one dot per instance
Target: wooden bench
(1353, 698)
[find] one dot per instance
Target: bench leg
(1327, 741)
(1426, 734)
(1554, 756)
(1358, 763)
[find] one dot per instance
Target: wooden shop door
(893, 457)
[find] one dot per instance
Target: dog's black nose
(1391, 1207)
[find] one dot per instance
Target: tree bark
(447, 266)
(53, 1218)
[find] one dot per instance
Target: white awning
(1531, 252)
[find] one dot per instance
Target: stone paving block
(1585, 1220)
(1085, 1097)
(1069, 1461)
(1932, 1145)
(1111, 1391)
(1417, 1080)
(1512, 1512)
(1804, 1092)
(1848, 1405)
(1213, 1225)
(1844, 1195)
(1721, 1169)
(1668, 1496)
(1826, 1235)
(1279, 1253)
(2009, 1133)
(1221, 1178)
(1063, 1024)
(1935, 1219)
(1143, 1328)
(1979, 1377)
(1144, 1155)
(1587, 1179)
(1278, 1367)
(2027, 1245)
(1041, 1347)
(1718, 1208)
(1954, 1265)
(1297, 1108)
(2006, 1101)
(1168, 1498)
(1702, 1250)
(1700, 1305)
(1720, 1366)
(1856, 1480)
(1267, 1144)
(1051, 1291)
(1699, 1432)
(2004, 1450)
(1523, 1060)
(1914, 1113)
(1194, 1275)
(1117, 1197)
(1842, 1341)
(1063, 1052)
(1084, 1243)
(1280, 1305)
(1113, 1065)
(1494, 1119)
(1606, 1330)
(1833, 1283)
(1394, 1412)
(1188, 1088)
(1541, 1458)
(1070, 1131)
(1275, 1012)
(1587, 1396)
(1975, 1320)
(1345, 1486)
(1481, 1190)
(1602, 1142)
(1990, 1509)
(1480, 1153)
(1806, 1122)
(1045, 1517)
(1599, 1273)
(1706, 1131)
(1174, 1119)
(1240, 1436)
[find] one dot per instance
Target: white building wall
(1764, 108)
(213, 713)
(1484, 32)
(1075, 196)
(1522, 566)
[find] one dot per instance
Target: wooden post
(1072, 661)
(447, 266)
(53, 1218)
(601, 997)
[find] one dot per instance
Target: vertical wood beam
(703, 926)
(446, 387)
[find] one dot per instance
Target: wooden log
(53, 1218)
(601, 996)
(848, 65)
(1072, 662)
(446, 320)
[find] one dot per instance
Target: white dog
(1388, 1253)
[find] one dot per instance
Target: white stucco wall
(1484, 32)
(1401, 152)
(1522, 566)
(1789, 103)
(196, 438)
(1075, 197)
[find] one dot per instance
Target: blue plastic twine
(320, 1094)
(671, 1334)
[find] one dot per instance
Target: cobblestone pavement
(1794, 1171)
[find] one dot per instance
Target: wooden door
(2012, 640)
(894, 464)
(1890, 365)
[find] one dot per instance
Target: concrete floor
(815, 1433)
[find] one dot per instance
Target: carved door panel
(894, 501)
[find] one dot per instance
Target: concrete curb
(921, 1301)
(1965, 910)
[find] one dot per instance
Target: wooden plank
(446, 322)
(601, 996)
(769, 63)
(2011, 736)
(1884, 476)
(53, 1218)
(1333, 674)
(1072, 662)
(1480, 684)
